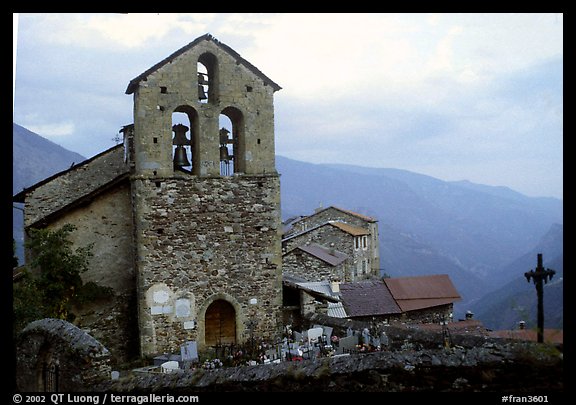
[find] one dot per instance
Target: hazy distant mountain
(33, 159)
(428, 226)
(516, 300)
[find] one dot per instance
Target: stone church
(185, 214)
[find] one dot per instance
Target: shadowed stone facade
(201, 236)
(56, 356)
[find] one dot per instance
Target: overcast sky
(454, 96)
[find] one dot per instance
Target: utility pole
(539, 275)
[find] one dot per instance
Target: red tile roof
(418, 292)
(350, 229)
(550, 335)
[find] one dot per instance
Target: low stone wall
(511, 367)
(399, 335)
(54, 355)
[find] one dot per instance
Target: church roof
(77, 184)
(206, 37)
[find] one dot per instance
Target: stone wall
(515, 368)
(311, 268)
(106, 222)
(77, 361)
(55, 194)
(202, 236)
(203, 239)
(331, 236)
(333, 214)
(235, 90)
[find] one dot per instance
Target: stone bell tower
(206, 200)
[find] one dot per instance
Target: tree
(52, 282)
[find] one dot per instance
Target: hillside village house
(184, 218)
(412, 300)
(332, 244)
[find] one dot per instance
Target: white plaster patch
(161, 296)
(189, 325)
(182, 308)
(156, 310)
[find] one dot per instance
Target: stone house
(185, 215)
(340, 233)
(317, 262)
(416, 299)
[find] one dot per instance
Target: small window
(364, 242)
(163, 89)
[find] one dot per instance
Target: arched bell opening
(184, 139)
(206, 77)
(231, 142)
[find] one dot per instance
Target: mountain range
(483, 237)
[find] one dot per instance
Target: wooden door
(220, 324)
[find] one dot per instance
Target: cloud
(423, 92)
(53, 130)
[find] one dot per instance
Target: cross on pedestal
(539, 275)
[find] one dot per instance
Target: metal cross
(539, 275)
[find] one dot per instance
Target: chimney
(469, 314)
(335, 287)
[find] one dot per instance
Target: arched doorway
(220, 324)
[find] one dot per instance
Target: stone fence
(510, 367)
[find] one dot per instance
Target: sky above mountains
(453, 96)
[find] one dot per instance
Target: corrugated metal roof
(320, 289)
(330, 256)
(336, 310)
(368, 298)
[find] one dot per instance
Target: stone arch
(74, 359)
(238, 318)
(238, 138)
(193, 134)
(207, 78)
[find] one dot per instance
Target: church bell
(201, 93)
(180, 135)
(180, 158)
(224, 156)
